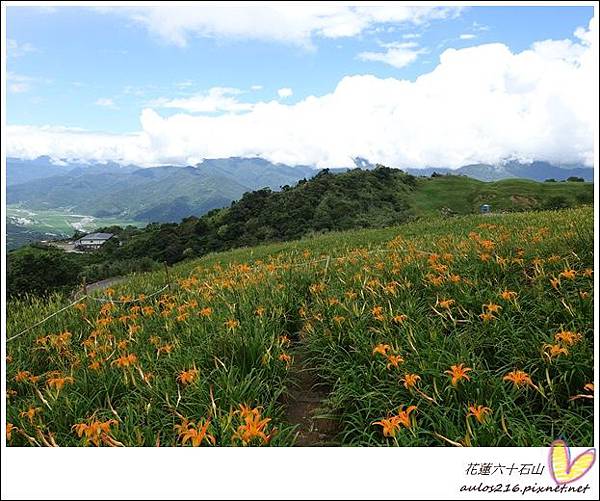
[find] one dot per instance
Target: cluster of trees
(40, 270)
(570, 179)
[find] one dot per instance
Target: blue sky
(98, 69)
(79, 56)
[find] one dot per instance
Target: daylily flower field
(467, 331)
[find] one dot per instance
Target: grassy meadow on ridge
(472, 330)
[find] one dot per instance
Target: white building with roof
(93, 241)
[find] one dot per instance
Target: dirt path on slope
(100, 285)
(304, 400)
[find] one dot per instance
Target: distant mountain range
(170, 193)
(536, 171)
(145, 194)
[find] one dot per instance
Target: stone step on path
(303, 402)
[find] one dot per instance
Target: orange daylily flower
(133, 329)
(95, 365)
(25, 376)
(394, 361)
(435, 280)
(458, 372)
(555, 282)
(492, 308)
(167, 348)
(187, 377)
(487, 244)
(404, 415)
(125, 360)
(284, 357)
(95, 432)
(253, 427)
(182, 317)
(508, 295)
(554, 350)
(205, 312)
(568, 273)
(410, 380)
(568, 337)
(232, 324)
(123, 319)
(196, 432)
(59, 382)
(30, 413)
(446, 303)
(382, 349)
(487, 316)
(316, 288)
(479, 412)
(9, 429)
(518, 378)
(389, 425)
(398, 319)
(377, 312)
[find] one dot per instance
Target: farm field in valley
(52, 224)
(467, 331)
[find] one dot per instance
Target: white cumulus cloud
(479, 104)
(397, 54)
(217, 99)
(467, 36)
(285, 92)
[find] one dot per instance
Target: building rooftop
(97, 236)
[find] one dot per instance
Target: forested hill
(358, 198)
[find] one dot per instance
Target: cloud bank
(480, 104)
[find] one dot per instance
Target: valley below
(25, 225)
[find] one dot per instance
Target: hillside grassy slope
(464, 195)
(384, 318)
